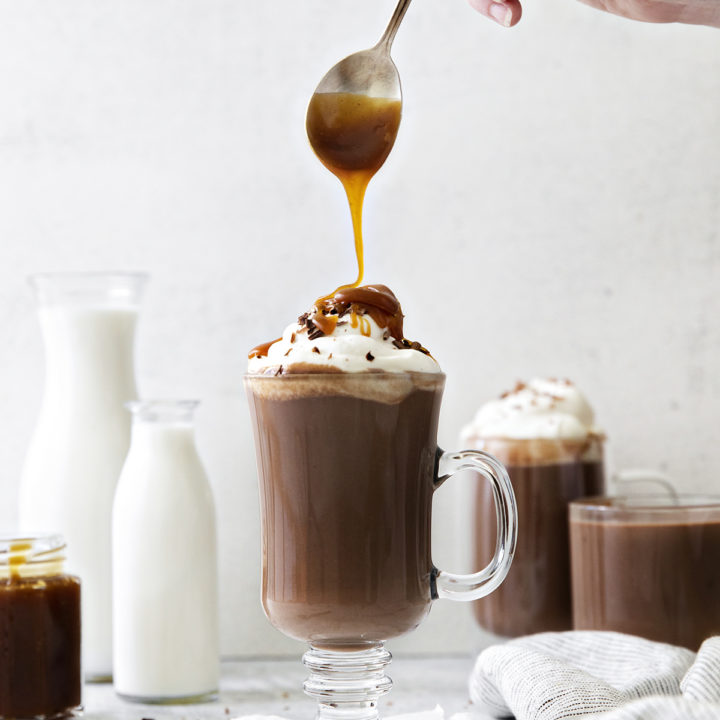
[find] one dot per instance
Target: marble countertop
(274, 687)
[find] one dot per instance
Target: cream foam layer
(373, 386)
(355, 345)
(539, 409)
(514, 452)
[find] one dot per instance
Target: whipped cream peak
(541, 408)
(356, 330)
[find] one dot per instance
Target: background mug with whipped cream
(544, 434)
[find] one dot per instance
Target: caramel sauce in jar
(39, 630)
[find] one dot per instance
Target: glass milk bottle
(165, 603)
(83, 433)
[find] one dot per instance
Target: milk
(82, 437)
(164, 563)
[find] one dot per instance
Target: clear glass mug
(647, 565)
(348, 464)
(547, 473)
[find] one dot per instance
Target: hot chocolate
(543, 433)
(347, 482)
(648, 567)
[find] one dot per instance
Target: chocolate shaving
(369, 357)
(315, 333)
(330, 356)
(288, 352)
(405, 344)
(315, 349)
(292, 338)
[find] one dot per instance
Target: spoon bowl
(369, 72)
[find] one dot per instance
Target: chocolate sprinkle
(369, 357)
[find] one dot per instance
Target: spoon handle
(389, 35)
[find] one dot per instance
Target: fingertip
(504, 12)
(516, 9)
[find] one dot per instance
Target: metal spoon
(369, 72)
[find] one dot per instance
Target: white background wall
(552, 206)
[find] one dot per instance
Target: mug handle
(638, 476)
(478, 584)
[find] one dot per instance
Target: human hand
(696, 12)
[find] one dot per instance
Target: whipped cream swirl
(541, 408)
(358, 330)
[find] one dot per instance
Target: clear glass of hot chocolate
(345, 422)
(544, 433)
(647, 565)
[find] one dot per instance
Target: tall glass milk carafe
(83, 433)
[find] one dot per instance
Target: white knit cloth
(598, 675)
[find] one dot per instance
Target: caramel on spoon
(353, 120)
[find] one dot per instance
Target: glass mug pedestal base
(347, 684)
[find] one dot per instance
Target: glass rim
(111, 289)
(34, 548)
(162, 404)
(61, 276)
(592, 435)
(657, 503)
(163, 410)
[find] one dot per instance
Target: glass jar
(39, 629)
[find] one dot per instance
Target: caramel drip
(262, 349)
(377, 301)
(356, 319)
(17, 558)
(364, 326)
(352, 135)
(326, 323)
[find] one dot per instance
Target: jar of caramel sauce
(39, 629)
